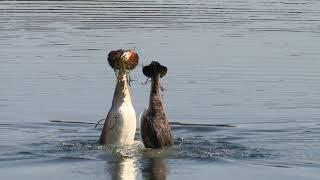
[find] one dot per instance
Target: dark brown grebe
(155, 130)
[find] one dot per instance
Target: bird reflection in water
(154, 169)
(123, 168)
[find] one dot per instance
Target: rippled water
(250, 64)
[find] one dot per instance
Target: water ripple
(153, 14)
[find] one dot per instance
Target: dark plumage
(154, 127)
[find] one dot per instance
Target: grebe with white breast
(120, 124)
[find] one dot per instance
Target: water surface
(251, 64)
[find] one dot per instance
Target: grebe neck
(121, 93)
(155, 92)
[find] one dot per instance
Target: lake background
(251, 64)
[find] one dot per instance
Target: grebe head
(123, 59)
(153, 68)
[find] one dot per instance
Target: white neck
(121, 93)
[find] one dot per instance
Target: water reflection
(122, 168)
(154, 169)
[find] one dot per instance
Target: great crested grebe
(120, 124)
(155, 130)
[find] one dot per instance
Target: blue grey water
(250, 64)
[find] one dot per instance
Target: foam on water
(54, 141)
